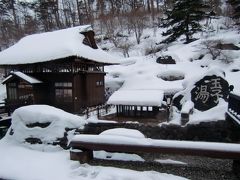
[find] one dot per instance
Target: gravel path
(197, 168)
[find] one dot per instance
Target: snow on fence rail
(89, 143)
(151, 143)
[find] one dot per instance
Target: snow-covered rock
(42, 124)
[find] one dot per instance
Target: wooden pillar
(117, 108)
(147, 112)
(81, 156)
(87, 113)
(121, 110)
(98, 111)
(106, 109)
(135, 111)
(125, 110)
(236, 168)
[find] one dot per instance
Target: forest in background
(111, 18)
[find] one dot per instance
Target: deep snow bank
(43, 124)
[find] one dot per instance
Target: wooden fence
(234, 107)
(98, 111)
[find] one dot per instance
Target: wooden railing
(98, 111)
(234, 107)
(82, 147)
(4, 109)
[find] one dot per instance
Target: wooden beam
(181, 149)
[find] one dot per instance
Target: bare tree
(213, 47)
(137, 21)
(125, 45)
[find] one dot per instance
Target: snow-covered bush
(43, 125)
(171, 75)
(213, 47)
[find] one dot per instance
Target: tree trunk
(79, 12)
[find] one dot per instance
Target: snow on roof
(23, 76)
(137, 97)
(7, 78)
(27, 78)
(53, 45)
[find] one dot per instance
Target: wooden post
(135, 111)
(147, 112)
(184, 118)
(98, 113)
(87, 113)
(236, 168)
(117, 107)
(106, 109)
(81, 156)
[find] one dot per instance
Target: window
(25, 86)
(12, 84)
(63, 95)
(99, 83)
(26, 97)
(12, 93)
(63, 84)
(63, 91)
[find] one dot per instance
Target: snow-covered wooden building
(137, 103)
(63, 68)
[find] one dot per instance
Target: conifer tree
(236, 10)
(184, 19)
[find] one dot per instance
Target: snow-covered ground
(22, 161)
(139, 72)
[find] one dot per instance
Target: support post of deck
(236, 167)
(135, 111)
(117, 107)
(81, 156)
(98, 111)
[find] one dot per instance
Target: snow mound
(120, 133)
(123, 132)
(42, 124)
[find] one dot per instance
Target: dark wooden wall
(95, 92)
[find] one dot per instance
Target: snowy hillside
(140, 72)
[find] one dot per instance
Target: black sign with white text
(207, 91)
